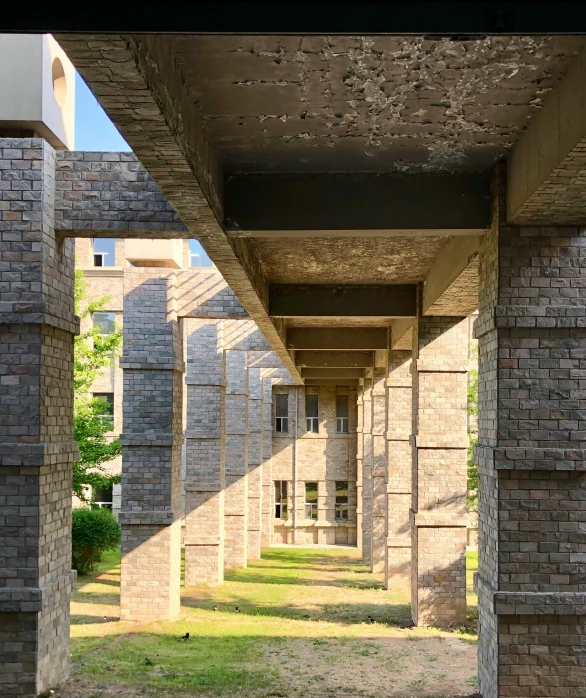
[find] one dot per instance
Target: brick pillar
(367, 455)
(37, 326)
(267, 452)
(440, 363)
(236, 494)
(399, 463)
(255, 484)
(359, 459)
(151, 441)
(205, 473)
(379, 470)
(532, 496)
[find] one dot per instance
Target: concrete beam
(344, 338)
(350, 382)
(143, 91)
(401, 334)
(337, 373)
(545, 169)
(451, 287)
(334, 359)
(356, 202)
(300, 300)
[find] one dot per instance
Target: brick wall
(323, 458)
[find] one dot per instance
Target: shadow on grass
(346, 614)
(248, 577)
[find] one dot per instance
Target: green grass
(294, 603)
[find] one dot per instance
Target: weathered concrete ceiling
(348, 260)
(377, 103)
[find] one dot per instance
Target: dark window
(104, 252)
(107, 415)
(102, 497)
(312, 413)
(280, 499)
(104, 322)
(311, 500)
(282, 412)
(341, 501)
(341, 414)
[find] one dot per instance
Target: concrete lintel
(334, 359)
(545, 168)
(451, 287)
(371, 233)
(401, 334)
(338, 373)
(343, 338)
(300, 300)
(342, 382)
(356, 202)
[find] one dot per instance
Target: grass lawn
(302, 631)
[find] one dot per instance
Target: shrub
(94, 531)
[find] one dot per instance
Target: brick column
(532, 496)
(37, 326)
(254, 462)
(205, 476)
(379, 470)
(367, 455)
(151, 441)
(267, 452)
(440, 363)
(236, 494)
(399, 464)
(359, 459)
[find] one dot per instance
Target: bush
(94, 531)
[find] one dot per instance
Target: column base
(204, 537)
(531, 644)
(438, 593)
(150, 572)
(397, 566)
(204, 564)
(236, 521)
(34, 638)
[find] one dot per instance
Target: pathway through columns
(302, 629)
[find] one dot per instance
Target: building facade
(309, 453)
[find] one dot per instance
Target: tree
(93, 352)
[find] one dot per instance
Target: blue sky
(93, 128)
(95, 131)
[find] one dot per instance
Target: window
(102, 497)
(282, 413)
(107, 416)
(280, 499)
(341, 414)
(341, 501)
(311, 500)
(198, 256)
(104, 252)
(104, 322)
(311, 413)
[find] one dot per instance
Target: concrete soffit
(142, 89)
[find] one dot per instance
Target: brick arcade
(319, 289)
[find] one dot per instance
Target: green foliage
(93, 353)
(93, 532)
(473, 439)
(90, 425)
